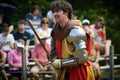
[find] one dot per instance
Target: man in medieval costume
(69, 45)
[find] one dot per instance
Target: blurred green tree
(90, 9)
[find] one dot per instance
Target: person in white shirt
(44, 27)
(6, 39)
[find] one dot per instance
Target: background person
(39, 55)
(44, 27)
(34, 16)
(100, 37)
(22, 34)
(15, 59)
(51, 18)
(94, 55)
(6, 39)
(75, 18)
(2, 62)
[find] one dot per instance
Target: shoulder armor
(77, 36)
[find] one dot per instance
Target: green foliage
(90, 9)
(24, 6)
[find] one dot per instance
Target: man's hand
(56, 63)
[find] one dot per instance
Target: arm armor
(77, 36)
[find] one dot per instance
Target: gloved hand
(56, 63)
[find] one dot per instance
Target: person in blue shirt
(34, 16)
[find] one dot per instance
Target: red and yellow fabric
(81, 72)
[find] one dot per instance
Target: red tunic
(75, 73)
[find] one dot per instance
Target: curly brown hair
(62, 5)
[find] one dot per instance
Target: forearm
(12, 45)
(79, 57)
(36, 23)
(13, 65)
(33, 23)
(11, 28)
(27, 50)
(37, 63)
(2, 44)
(1, 64)
(27, 45)
(97, 56)
(3, 59)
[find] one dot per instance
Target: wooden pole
(111, 62)
(24, 75)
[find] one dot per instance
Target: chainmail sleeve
(53, 52)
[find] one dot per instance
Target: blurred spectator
(39, 56)
(34, 16)
(22, 34)
(75, 18)
(5, 20)
(44, 27)
(6, 39)
(94, 59)
(94, 50)
(87, 28)
(51, 18)
(2, 62)
(15, 58)
(100, 36)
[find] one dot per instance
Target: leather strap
(60, 33)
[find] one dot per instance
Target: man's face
(59, 15)
(36, 12)
(21, 26)
(5, 33)
(100, 24)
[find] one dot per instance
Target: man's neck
(63, 23)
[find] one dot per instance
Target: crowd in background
(12, 43)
